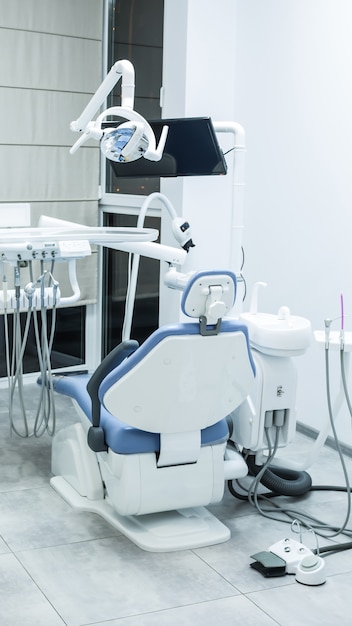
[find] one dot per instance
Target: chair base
(156, 532)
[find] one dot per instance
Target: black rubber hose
(280, 480)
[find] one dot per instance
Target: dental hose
(333, 428)
(284, 513)
(14, 362)
(16, 376)
(316, 525)
(15, 370)
(280, 480)
(46, 406)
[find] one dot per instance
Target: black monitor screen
(191, 149)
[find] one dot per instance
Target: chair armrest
(112, 360)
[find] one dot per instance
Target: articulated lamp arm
(129, 141)
(121, 69)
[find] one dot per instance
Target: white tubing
(132, 286)
(158, 251)
(237, 211)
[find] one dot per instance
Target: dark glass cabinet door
(135, 34)
(115, 278)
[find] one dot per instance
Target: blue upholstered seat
(121, 437)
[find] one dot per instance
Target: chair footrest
(158, 532)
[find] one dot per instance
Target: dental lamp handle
(90, 133)
(83, 138)
(155, 154)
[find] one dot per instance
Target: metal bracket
(213, 330)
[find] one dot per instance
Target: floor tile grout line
(37, 586)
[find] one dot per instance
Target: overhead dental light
(125, 143)
(128, 141)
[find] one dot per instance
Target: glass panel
(68, 345)
(136, 34)
(115, 276)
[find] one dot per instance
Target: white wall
(197, 83)
(294, 96)
(283, 71)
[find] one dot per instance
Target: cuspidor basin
(278, 335)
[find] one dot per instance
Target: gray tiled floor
(58, 566)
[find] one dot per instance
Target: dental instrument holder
(49, 250)
(334, 340)
(52, 241)
(43, 250)
(274, 340)
(337, 341)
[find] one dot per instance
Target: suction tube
(280, 480)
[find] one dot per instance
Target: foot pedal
(268, 564)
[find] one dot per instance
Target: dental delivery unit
(202, 402)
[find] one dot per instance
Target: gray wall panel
(64, 17)
(38, 117)
(51, 64)
(80, 211)
(33, 60)
(47, 173)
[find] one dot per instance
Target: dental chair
(149, 453)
